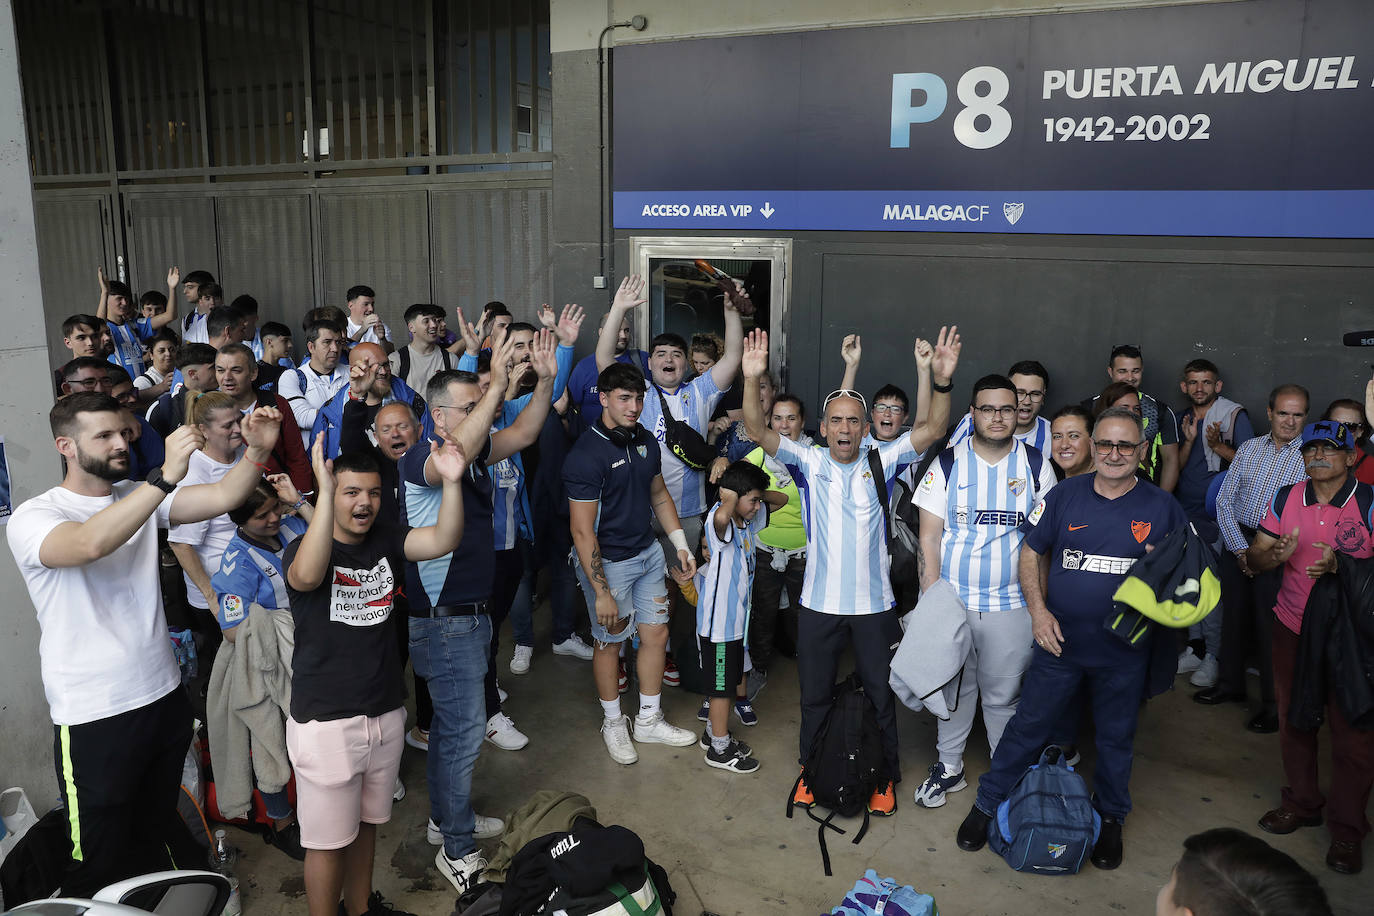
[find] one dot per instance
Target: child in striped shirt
(723, 589)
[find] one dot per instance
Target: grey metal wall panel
(170, 230)
(382, 241)
(264, 250)
(492, 244)
(72, 242)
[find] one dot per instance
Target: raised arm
(942, 365)
(206, 500)
(472, 434)
(530, 421)
(311, 563)
(169, 314)
(629, 295)
(851, 351)
(925, 353)
(443, 536)
(754, 362)
(469, 342)
(723, 372)
(102, 307)
(79, 543)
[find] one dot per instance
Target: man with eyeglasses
(891, 409)
(1304, 529)
(1262, 465)
(972, 502)
(1032, 381)
(846, 598)
(1127, 365)
(1210, 429)
(1080, 540)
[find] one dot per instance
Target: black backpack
(403, 358)
(35, 867)
(845, 763)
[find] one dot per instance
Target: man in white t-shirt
(88, 552)
(318, 379)
(364, 324)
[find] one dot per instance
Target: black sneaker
(735, 758)
(705, 743)
(973, 832)
(377, 905)
(1107, 853)
(287, 839)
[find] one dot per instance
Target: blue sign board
(1226, 119)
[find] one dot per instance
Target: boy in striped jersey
(723, 588)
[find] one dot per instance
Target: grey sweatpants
(1002, 646)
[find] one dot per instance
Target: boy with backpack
(723, 589)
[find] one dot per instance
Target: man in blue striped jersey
(846, 595)
(1032, 383)
(972, 502)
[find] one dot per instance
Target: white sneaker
(1206, 673)
(520, 661)
(400, 790)
(418, 738)
(484, 829)
(616, 733)
(658, 730)
(575, 647)
(501, 731)
(461, 873)
(1188, 662)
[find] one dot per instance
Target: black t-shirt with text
(346, 661)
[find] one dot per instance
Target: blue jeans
(1051, 686)
(450, 653)
(638, 585)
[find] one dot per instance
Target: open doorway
(685, 300)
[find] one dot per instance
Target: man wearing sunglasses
(846, 598)
(1079, 542)
(1305, 526)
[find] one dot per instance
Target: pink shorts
(345, 774)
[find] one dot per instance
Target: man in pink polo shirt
(1305, 529)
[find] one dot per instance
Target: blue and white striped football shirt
(1038, 436)
(693, 402)
(983, 506)
(847, 563)
(723, 587)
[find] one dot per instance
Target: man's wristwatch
(155, 478)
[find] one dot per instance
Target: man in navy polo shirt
(614, 481)
(450, 632)
(1084, 536)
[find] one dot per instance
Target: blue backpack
(1047, 824)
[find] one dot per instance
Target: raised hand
(178, 447)
(630, 293)
(472, 341)
(946, 359)
(448, 461)
(502, 355)
(173, 277)
(569, 324)
(104, 281)
(324, 470)
(286, 491)
(547, 318)
(924, 353)
(754, 362)
(260, 428)
(542, 356)
(851, 350)
(360, 379)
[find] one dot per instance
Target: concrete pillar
(25, 398)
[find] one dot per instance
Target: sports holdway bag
(1047, 825)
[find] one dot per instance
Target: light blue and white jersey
(847, 562)
(128, 344)
(508, 502)
(693, 402)
(1037, 437)
(249, 574)
(983, 506)
(723, 587)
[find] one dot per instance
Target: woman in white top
(199, 546)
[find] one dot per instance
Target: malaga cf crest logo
(1013, 212)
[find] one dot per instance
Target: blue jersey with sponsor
(1091, 542)
(250, 574)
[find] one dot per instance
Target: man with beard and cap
(846, 598)
(385, 389)
(88, 552)
(972, 502)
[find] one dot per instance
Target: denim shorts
(638, 585)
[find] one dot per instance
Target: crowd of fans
(394, 497)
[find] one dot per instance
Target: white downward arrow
(767, 209)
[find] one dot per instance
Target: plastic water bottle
(223, 858)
